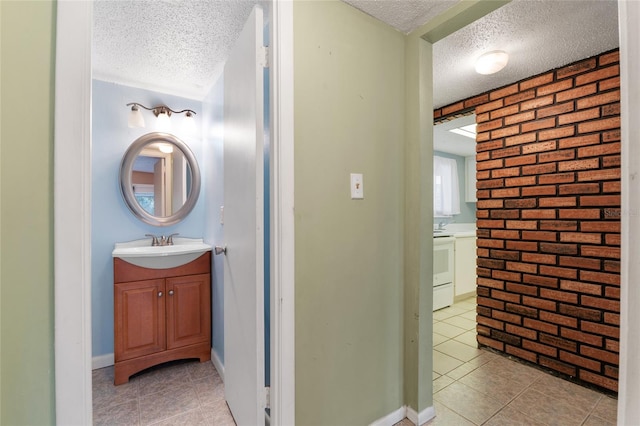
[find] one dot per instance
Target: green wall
(27, 37)
(349, 118)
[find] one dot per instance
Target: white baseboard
(421, 418)
(215, 359)
(102, 361)
(391, 418)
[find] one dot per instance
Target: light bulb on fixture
(163, 123)
(163, 114)
(189, 123)
(135, 117)
(491, 62)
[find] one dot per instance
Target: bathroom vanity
(160, 314)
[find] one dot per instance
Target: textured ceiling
(179, 46)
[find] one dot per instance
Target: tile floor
(181, 393)
(477, 387)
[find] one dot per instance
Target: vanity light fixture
(162, 112)
(491, 62)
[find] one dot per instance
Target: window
(446, 193)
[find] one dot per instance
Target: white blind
(446, 193)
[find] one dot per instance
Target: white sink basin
(142, 253)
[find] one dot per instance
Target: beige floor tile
(498, 387)
(547, 409)
(468, 338)
(439, 338)
(190, 418)
(452, 310)
(441, 383)
(443, 314)
(105, 394)
(461, 371)
(606, 408)
(458, 321)
(458, 350)
(560, 389)
(218, 414)
(511, 417)
(447, 330)
(167, 403)
(123, 414)
(467, 402)
(593, 420)
(471, 315)
(514, 370)
(446, 417)
(442, 363)
(198, 370)
(162, 378)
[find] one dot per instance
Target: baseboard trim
(215, 359)
(421, 418)
(102, 361)
(391, 418)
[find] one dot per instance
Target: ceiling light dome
(492, 62)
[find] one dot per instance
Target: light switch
(357, 186)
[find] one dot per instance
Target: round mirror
(159, 179)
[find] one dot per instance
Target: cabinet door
(465, 261)
(188, 310)
(139, 313)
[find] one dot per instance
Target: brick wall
(548, 169)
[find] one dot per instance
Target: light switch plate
(357, 186)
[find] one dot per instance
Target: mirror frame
(126, 184)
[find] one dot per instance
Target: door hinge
(267, 394)
(263, 56)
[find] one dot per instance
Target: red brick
(522, 245)
(536, 81)
(588, 114)
(520, 181)
(600, 251)
(547, 305)
(577, 68)
(580, 312)
(486, 341)
(483, 137)
(522, 289)
(488, 146)
(598, 302)
(599, 380)
(483, 242)
(611, 136)
(590, 163)
(600, 226)
(519, 118)
(609, 58)
(600, 74)
(504, 234)
(599, 175)
(505, 193)
(582, 140)
(611, 83)
(487, 282)
(561, 320)
(560, 296)
(579, 336)
(611, 161)
(520, 160)
(505, 296)
(558, 225)
(612, 345)
(599, 354)
(536, 103)
(539, 235)
(522, 224)
(611, 109)
(502, 112)
(579, 214)
(600, 200)
(521, 353)
(489, 106)
(491, 164)
(520, 139)
(489, 302)
(567, 177)
(557, 133)
(605, 330)
(505, 91)
(505, 255)
(556, 271)
(505, 152)
(506, 317)
(540, 280)
(521, 331)
(540, 326)
(612, 239)
(538, 214)
(437, 113)
(489, 322)
(605, 149)
(539, 348)
(558, 342)
(581, 287)
(567, 249)
(563, 155)
(490, 183)
(450, 109)
(611, 265)
(539, 169)
(523, 203)
(555, 87)
(580, 188)
(600, 277)
(579, 262)
(600, 99)
(578, 92)
(580, 361)
(557, 202)
(490, 204)
(522, 267)
(538, 124)
(506, 172)
(476, 100)
(539, 147)
(519, 97)
(505, 214)
(489, 125)
(483, 156)
(580, 237)
(482, 214)
(599, 125)
(611, 318)
(555, 110)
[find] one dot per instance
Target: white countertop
(460, 230)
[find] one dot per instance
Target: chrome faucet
(161, 240)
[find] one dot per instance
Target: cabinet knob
(159, 294)
(170, 292)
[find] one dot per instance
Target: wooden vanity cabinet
(160, 315)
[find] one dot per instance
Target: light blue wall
(213, 115)
(467, 210)
(111, 220)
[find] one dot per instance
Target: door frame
(72, 214)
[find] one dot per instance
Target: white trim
(629, 382)
(421, 418)
(102, 361)
(391, 418)
(282, 218)
(72, 213)
(217, 363)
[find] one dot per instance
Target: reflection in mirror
(159, 179)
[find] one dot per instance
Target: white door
(243, 227)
